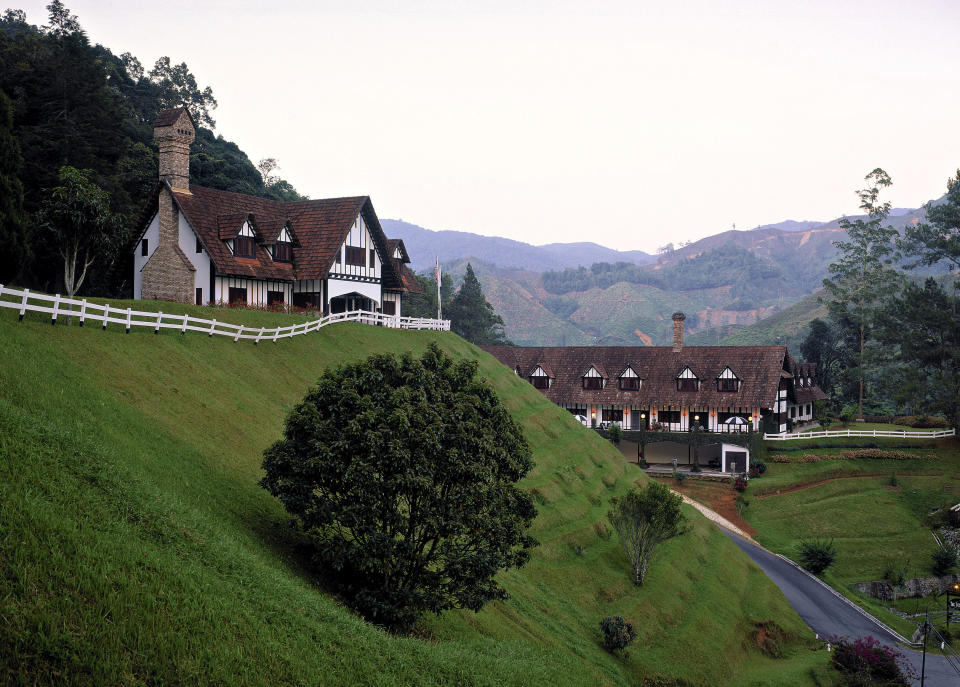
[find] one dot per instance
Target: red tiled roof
(758, 368)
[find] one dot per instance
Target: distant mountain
(425, 246)
(790, 225)
(737, 287)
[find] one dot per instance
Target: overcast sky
(630, 124)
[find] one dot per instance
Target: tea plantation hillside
(137, 548)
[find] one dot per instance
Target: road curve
(828, 615)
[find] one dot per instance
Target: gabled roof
(631, 366)
(543, 366)
(598, 367)
(758, 368)
(170, 117)
(319, 228)
(394, 244)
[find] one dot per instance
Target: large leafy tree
(403, 471)
(863, 275)
(77, 217)
(823, 346)
(472, 316)
(178, 86)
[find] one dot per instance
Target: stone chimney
(169, 275)
(678, 318)
(173, 131)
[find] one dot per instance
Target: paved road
(827, 615)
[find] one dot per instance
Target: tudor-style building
(677, 387)
(201, 245)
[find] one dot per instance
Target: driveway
(828, 615)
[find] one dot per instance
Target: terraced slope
(137, 548)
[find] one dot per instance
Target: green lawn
(136, 546)
(872, 523)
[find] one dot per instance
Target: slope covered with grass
(136, 546)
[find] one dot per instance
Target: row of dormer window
(592, 380)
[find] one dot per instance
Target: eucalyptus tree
(862, 275)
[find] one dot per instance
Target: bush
(740, 484)
(895, 572)
(816, 556)
(943, 560)
(922, 422)
(615, 434)
(868, 662)
(760, 466)
(644, 519)
(753, 472)
(403, 472)
(618, 633)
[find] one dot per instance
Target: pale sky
(629, 124)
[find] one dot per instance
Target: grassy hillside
(137, 547)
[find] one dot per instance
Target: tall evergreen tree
(937, 239)
(13, 227)
(472, 316)
(862, 274)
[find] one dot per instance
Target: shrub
(760, 466)
(922, 422)
(753, 472)
(644, 519)
(847, 414)
(740, 484)
(403, 472)
(868, 662)
(816, 556)
(615, 434)
(618, 633)
(779, 458)
(895, 572)
(943, 560)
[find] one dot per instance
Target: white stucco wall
(152, 236)
(201, 261)
(359, 236)
(341, 287)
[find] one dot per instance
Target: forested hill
(64, 101)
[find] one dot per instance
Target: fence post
(129, 317)
(23, 304)
(156, 330)
(83, 310)
(183, 329)
(106, 314)
(212, 325)
(239, 332)
(56, 306)
(257, 340)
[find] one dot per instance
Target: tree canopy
(403, 471)
(644, 519)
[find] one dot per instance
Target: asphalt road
(827, 615)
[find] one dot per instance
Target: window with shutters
(355, 256)
(245, 247)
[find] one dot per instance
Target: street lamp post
(642, 446)
(955, 590)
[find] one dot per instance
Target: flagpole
(436, 273)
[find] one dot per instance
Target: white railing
(85, 311)
(862, 433)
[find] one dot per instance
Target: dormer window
(728, 382)
(593, 380)
(282, 251)
(687, 381)
(245, 247)
(539, 378)
(629, 380)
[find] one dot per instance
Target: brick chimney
(173, 131)
(678, 318)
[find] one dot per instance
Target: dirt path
(799, 487)
(718, 497)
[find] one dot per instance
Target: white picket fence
(862, 433)
(57, 306)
